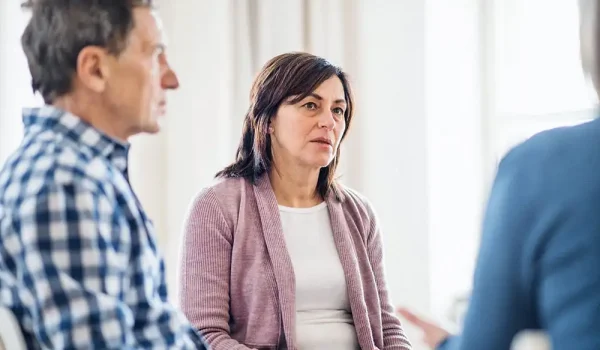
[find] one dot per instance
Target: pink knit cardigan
(237, 280)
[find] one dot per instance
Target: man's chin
(152, 127)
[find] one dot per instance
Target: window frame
(496, 125)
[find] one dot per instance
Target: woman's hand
(433, 335)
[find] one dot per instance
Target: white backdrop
(415, 149)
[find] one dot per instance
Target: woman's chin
(322, 163)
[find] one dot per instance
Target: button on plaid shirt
(79, 265)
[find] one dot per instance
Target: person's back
(539, 262)
(557, 239)
(562, 255)
(79, 265)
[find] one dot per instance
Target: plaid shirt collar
(79, 132)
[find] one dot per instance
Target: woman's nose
(327, 120)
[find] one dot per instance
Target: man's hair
(59, 29)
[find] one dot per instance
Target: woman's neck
(295, 187)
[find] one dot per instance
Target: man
(539, 263)
(79, 266)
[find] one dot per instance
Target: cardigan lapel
(348, 258)
(280, 258)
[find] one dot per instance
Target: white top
(323, 317)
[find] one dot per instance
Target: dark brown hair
(60, 29)
(295, 75)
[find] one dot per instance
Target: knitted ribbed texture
(237, 281)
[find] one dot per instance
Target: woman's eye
(338, 111)
(311, 106)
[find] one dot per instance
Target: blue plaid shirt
(79, 266)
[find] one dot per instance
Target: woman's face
(308, 132)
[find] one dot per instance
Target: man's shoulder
(41, 164)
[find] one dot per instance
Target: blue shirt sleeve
(74, 252)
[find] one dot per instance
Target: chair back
(11, 337)
(531, 340)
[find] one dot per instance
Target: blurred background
(443, 89)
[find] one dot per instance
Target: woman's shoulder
(355, 203)
(222, 193)
(226, 186)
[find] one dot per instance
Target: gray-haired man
(79, 266)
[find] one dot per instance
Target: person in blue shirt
(539, 263)
(79, 263)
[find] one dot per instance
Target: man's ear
(93, 68)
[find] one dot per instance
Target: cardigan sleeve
(393, 332)
(204, 271)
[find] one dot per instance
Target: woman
(277, 254)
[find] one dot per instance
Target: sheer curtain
(217, 47)
(415, 146)
(217, 53)
(15, 88)
(413, 150)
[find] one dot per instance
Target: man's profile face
(140, 76)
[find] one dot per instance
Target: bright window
(534, 72)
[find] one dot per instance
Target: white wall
(388, 140)
(15, 87)
(427, 130)
(415, 150)
(455, 111)
(391, 98)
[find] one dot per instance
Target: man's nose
(169, 79)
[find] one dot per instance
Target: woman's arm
(393, 333)
(204, 272)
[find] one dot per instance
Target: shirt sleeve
(75, 252)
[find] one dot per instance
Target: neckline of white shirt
(312, 209)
